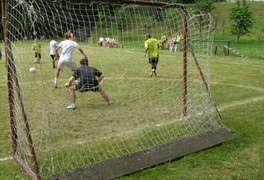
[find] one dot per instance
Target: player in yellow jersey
(37, 50)
(152, 49)
(179, 37)
(162, 41)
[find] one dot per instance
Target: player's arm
(146, 51)
(70, 81)
(100, 78)
(81, 51)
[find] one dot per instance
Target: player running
(66, 58)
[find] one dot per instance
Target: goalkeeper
(89, 81)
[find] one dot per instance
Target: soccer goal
(152, 119)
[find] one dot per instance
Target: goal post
(152, 120)
(13, 93)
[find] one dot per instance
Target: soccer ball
(32, 69)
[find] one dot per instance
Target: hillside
(255, 39)
(221, 13)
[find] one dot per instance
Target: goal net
(153, 119)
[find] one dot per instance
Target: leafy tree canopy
(242, 18)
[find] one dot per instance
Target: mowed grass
(236, 86)
(143, 106)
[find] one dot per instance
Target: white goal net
(147, 111)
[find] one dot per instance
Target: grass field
(138, 101)
(237, 88)
(236, 85)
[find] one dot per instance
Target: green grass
(234, 81)
(250, 45)
(236, 84)
(241, 157)
(108, 131)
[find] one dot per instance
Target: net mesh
(146, 111)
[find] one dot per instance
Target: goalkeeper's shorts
(87, 87)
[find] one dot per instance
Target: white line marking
(239, 103)
(5, 159)
(241, 86)
(150, 79)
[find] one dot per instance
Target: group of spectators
(107, 42)
(171, 43)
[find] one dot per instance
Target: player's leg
(53, 61)
(72, 90)
(176, 46)
(36, 57)
(57, 73)
(171, 46)
(39, 57)
(104, 95)
(153, 62)
(151, 66)
(72, 66)
(154, 67)
(61, 63)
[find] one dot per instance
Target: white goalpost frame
(121, 139)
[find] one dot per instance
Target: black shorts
(53, 56)
(37, 55)
(153, 60)
(87, 87)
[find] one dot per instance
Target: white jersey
(101, 39)
(107, 39)
(53, 45)
(67, 47)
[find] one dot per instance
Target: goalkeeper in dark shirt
(89, 81)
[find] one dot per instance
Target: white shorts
(68, 63)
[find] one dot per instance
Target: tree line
(240, 16)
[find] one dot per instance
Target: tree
(120, 16)
(204, 5)
(243, 20)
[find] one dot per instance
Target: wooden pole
(12, 78)
(9, 80)
(184, 64)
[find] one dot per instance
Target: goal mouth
(153, 119)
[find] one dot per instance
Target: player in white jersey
(66, 57)
(53, 45)
(101, 41)
(107, 42)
